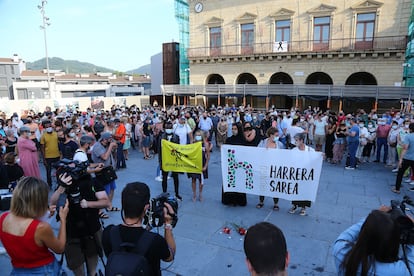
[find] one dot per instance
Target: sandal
(395, 191)
(275, 208)
(102, 215)
(113, 209)
(259, 205)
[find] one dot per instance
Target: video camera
(77, 170)
(398, 214)
(74, 168)
(155, 214)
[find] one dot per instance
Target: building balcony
(280, 48)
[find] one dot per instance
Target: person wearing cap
(353, 143)
(102, 153)
(120, 137)
(29, 159)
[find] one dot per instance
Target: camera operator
(135, 203)
(102, 153)
(84, 230)
(371, 247)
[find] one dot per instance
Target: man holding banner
(169, 136)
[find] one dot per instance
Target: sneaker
(376, 161)
(411, 183)
(395, 170)
(411, 189)
(349, 168)
(302, 212)
(293, 210)
(158, 178)
(179, 197)
(2, 250)
(407, 180)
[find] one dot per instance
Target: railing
(329, 91)
(344, 45)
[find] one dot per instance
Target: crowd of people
(104, 138)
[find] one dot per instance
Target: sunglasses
(248, 129)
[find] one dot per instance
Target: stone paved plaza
(202, 249)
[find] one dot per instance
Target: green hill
(69, 66)
(145, 69)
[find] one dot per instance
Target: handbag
(107, 175)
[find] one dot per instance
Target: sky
(117, 34)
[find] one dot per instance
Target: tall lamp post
(45, 24)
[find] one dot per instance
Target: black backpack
(128, 259)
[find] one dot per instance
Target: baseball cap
(105, 135)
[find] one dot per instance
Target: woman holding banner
(271, 142)
(234, 198)
(300, 145)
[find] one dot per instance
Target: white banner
(287, 174)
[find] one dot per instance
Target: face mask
(29, 121)
(198, 138)
(406, 126)
(254, 118)
(394, 127)
(397, 116)
(302, 120)
(234, 132)
(72, 135)
(381, 123)
(370, 126)
(49, 130)
(168, 131)
(361, 125)
(15, 118)
(1, 126)
(276, 139)
(62, 139)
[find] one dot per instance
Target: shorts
(146, 142)
(110, 186)
(78, 249)
(319, 139)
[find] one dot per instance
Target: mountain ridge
(79, 67)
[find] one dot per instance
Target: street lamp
(45, 24)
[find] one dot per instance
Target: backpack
(128, 259)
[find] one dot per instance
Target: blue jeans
(352, 148)
(120, 158)
(51, 269)
(382, 142)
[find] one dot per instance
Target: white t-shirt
(319, 127)
(293, 130)
(80, 156)
(182, 132)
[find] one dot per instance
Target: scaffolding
(182, 16)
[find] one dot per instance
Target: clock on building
(198, 7)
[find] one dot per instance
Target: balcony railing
(329, 91)
(384, 43)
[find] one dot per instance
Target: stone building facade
(266, 42)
